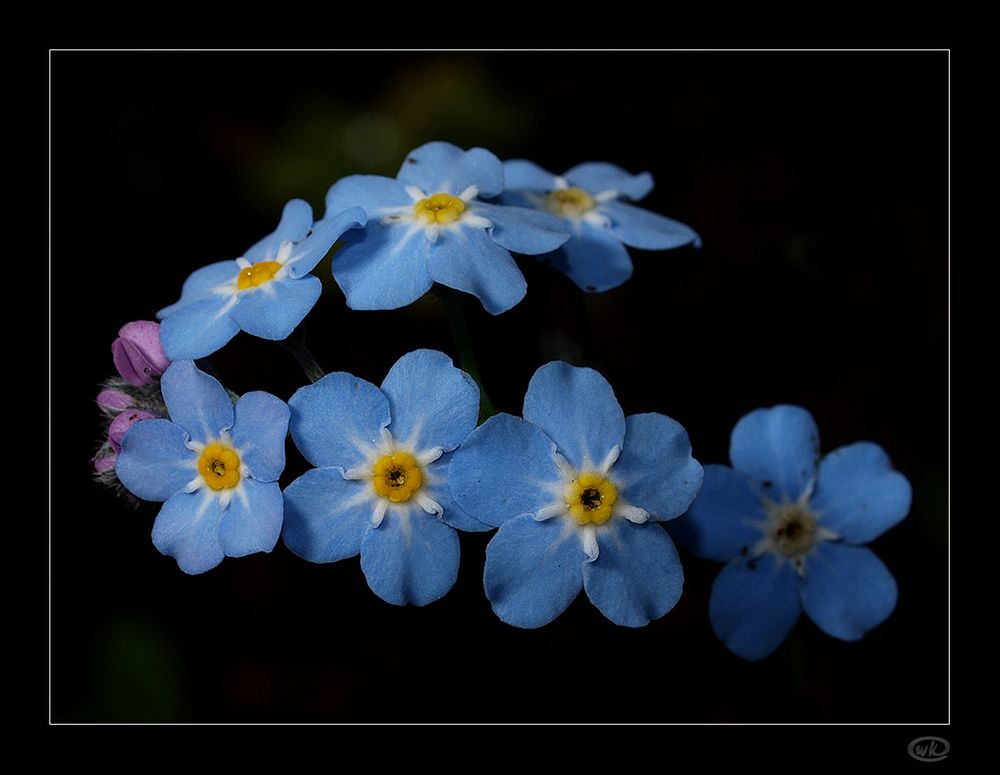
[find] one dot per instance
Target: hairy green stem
(296, 345)
(463, 344)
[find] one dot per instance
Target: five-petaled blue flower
(429, 225)
(380, 486)
(588, 200)
(266, 292)
(216, 466)
(576, 489)
(790, 528)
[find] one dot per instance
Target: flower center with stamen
(590, 498)
(258, 274)
(792, 529)
(396, 476)
(439, 208)
(569, 202)
(219, 466)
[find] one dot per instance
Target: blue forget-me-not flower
(589, 201)
(577, 489)
(430, 224)
(791, 528)
(380, 485)
(215, 465)
(266, 292)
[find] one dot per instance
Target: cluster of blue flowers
(581, 495)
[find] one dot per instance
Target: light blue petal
(259, 434)
(336, 418)
(187, 529)
(533, 571)
(436, 487)
(655, 470)
(847, 590)
(469, 260)
(504, 469)
(778, 448)
(296, 220)
(443, 167)
(306, 255)
(754, 605)
(597, 177)
(720, 523)
(198, 329)
(523, 199)
(154, 462)
(649, 231)
(593, 259)
(432, 404)
(196, 402)
(410, 558)
(373, 193)
(524, 175)
(858, 493)
(577, 408)
(637, 577)
(273, 310)
(326, 515)
(383, 267)
(202, 283)
(252, 521)
(522, 229)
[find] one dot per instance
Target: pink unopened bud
(111, 400)
(122, 423)
(138, 354)
(105, 463)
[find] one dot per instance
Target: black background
(819, 183)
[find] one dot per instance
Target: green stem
(463, 344)
(296, 345)
(584, 326)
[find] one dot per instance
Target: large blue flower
(589, 201)
(576, 489)
(790, 528)
(266, 292)
(429, 225)
(216, 466)
(380, 485)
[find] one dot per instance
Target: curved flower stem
(296, 345)
(584, 326)
(463, 344)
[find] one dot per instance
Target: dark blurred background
(819, 183)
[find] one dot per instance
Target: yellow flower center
(590, 498)
(569, 202)
(219, 466)
(439, 208)
(397, 476)
(792, 529)
(258, 274)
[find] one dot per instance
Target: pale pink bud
(122, 423)
(138, 354)
(105, 463)
(111, 400)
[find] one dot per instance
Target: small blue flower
(790, 528)
(588, 201)
(576, 489)
(380, 485)
(266, 292)
(216, 466)
(429, 225)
